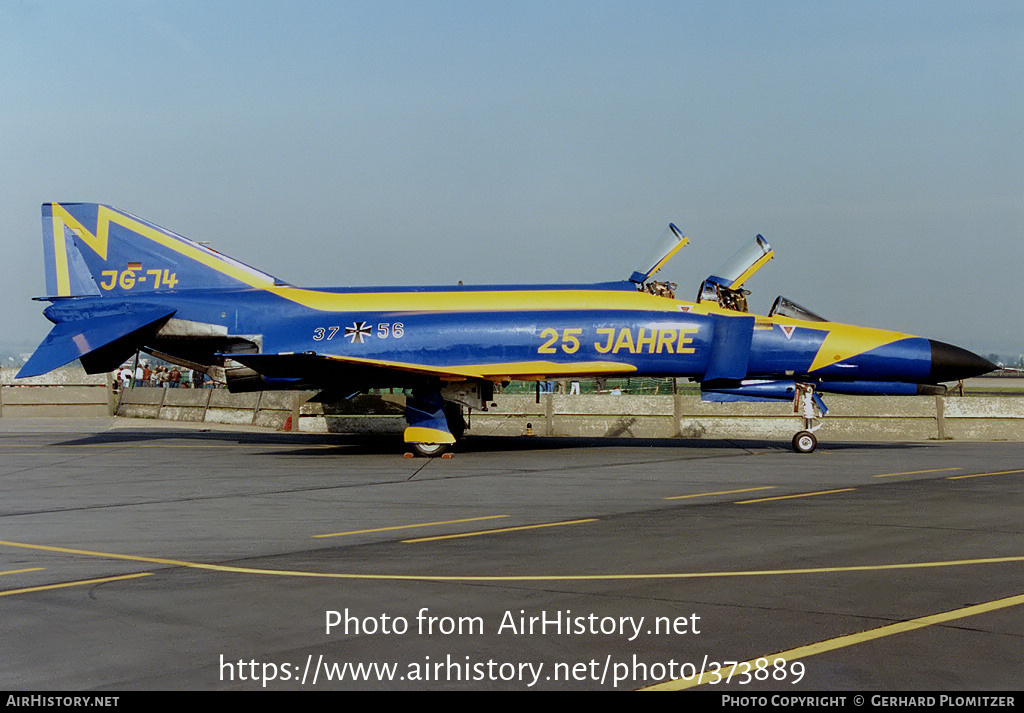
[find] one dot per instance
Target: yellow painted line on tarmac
(516, 577)
(503, 529)
(915, 472)
(78, 583)
(239, 445)
(798, 495)
(982, 475)
(406, 527)
(166, 445)
(841, 642)
(19, 571)
(720, 492)
(111, 555)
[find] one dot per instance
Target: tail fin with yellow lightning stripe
(93, 249)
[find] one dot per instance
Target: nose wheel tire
(804, 442)
(430, 450)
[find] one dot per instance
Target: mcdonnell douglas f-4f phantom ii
(117, 284)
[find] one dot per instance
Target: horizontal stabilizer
(77, 338)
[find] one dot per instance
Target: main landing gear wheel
(804, 442)
(431, 450)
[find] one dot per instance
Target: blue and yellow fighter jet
(117, 284)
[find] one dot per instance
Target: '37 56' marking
(360, 331)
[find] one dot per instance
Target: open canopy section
(670, 242)
(744, 263)
(724, 285)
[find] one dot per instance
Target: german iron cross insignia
(358, 332)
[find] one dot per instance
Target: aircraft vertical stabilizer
(93, 249)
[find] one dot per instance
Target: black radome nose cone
(950, 363)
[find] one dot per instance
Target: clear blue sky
(878, 146)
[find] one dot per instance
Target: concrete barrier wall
(912, 418)
(67, 392)
(850, 418)
(268, 409)
(984, 418)
(70, 392)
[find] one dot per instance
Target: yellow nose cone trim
(844, 341)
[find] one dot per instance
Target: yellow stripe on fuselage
(524, 370)
(478, 301)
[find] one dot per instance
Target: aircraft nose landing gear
(804, 442)
(813, 409)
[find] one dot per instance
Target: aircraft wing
(329, 369)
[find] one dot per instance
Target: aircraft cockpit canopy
(725, 284)
(670, 242)
(744, 263)
(786, 307)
